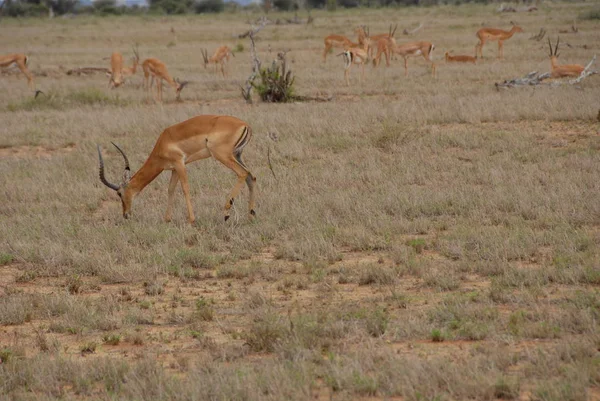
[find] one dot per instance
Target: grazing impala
(220, 57)
(118, 73)
(116, 70)
(21, 61)
(222, 137)
(407, 50)
(157, 70)
(566, 70)
(460, 58)
(343, 42)
(492, 34)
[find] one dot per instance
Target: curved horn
(550, 45)
(394, 31)
(101, 174)
(556, 48)
(124, 156)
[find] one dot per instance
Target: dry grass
(423, 240)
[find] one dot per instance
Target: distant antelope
(343, 42)
(460, 58)
(21, 61)
(118, 73)
(386, 36)
(220, 57)
(493, 34)
(566, 70)
(406, 50)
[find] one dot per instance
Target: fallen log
(533, 78)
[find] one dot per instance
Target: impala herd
(224, 137)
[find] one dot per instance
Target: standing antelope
(460, 58)
(356, 54)
(389, 37)
(221, 56)
(222, 137)
(157, 70)
(492, 34)
(566, 70)
(343, 42)
(21, 61)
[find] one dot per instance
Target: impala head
(126, 196)
(516, 28)
(180, 86)
(205, 56)
(554, 54)
(136, 57)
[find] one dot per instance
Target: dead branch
(530, 79)
(260, 23)
(533, 78)
(87, 70)
(247, 88)
(587, 71)
(539, 36)
(412, 32)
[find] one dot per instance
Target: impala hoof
(252, 212)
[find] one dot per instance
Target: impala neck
(144, 176)
(512, 31)
(553, 62)
(171, 81)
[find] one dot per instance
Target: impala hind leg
(171, 200)
(500, 49)
(250, 181)
(242, 173)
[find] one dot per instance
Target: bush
(591, 15)
(209, 6)
(24, 9)
(285, 5)
(276, 83)
(171, 6)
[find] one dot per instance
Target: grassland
(423, 239)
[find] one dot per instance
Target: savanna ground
(423, 239)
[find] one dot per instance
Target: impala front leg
(181, 172)
(171, 200)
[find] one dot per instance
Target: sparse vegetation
(408, 225)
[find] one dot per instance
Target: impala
(493, 34)
(460, 58)
(356, 56)
(221, 56)
(560, 71)
(222, 137)
(21, 61)
(157, 70)
(118, 73)
(130, 71)
(343, 42)
(407, 50)
(116, 70)
(389, 37)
